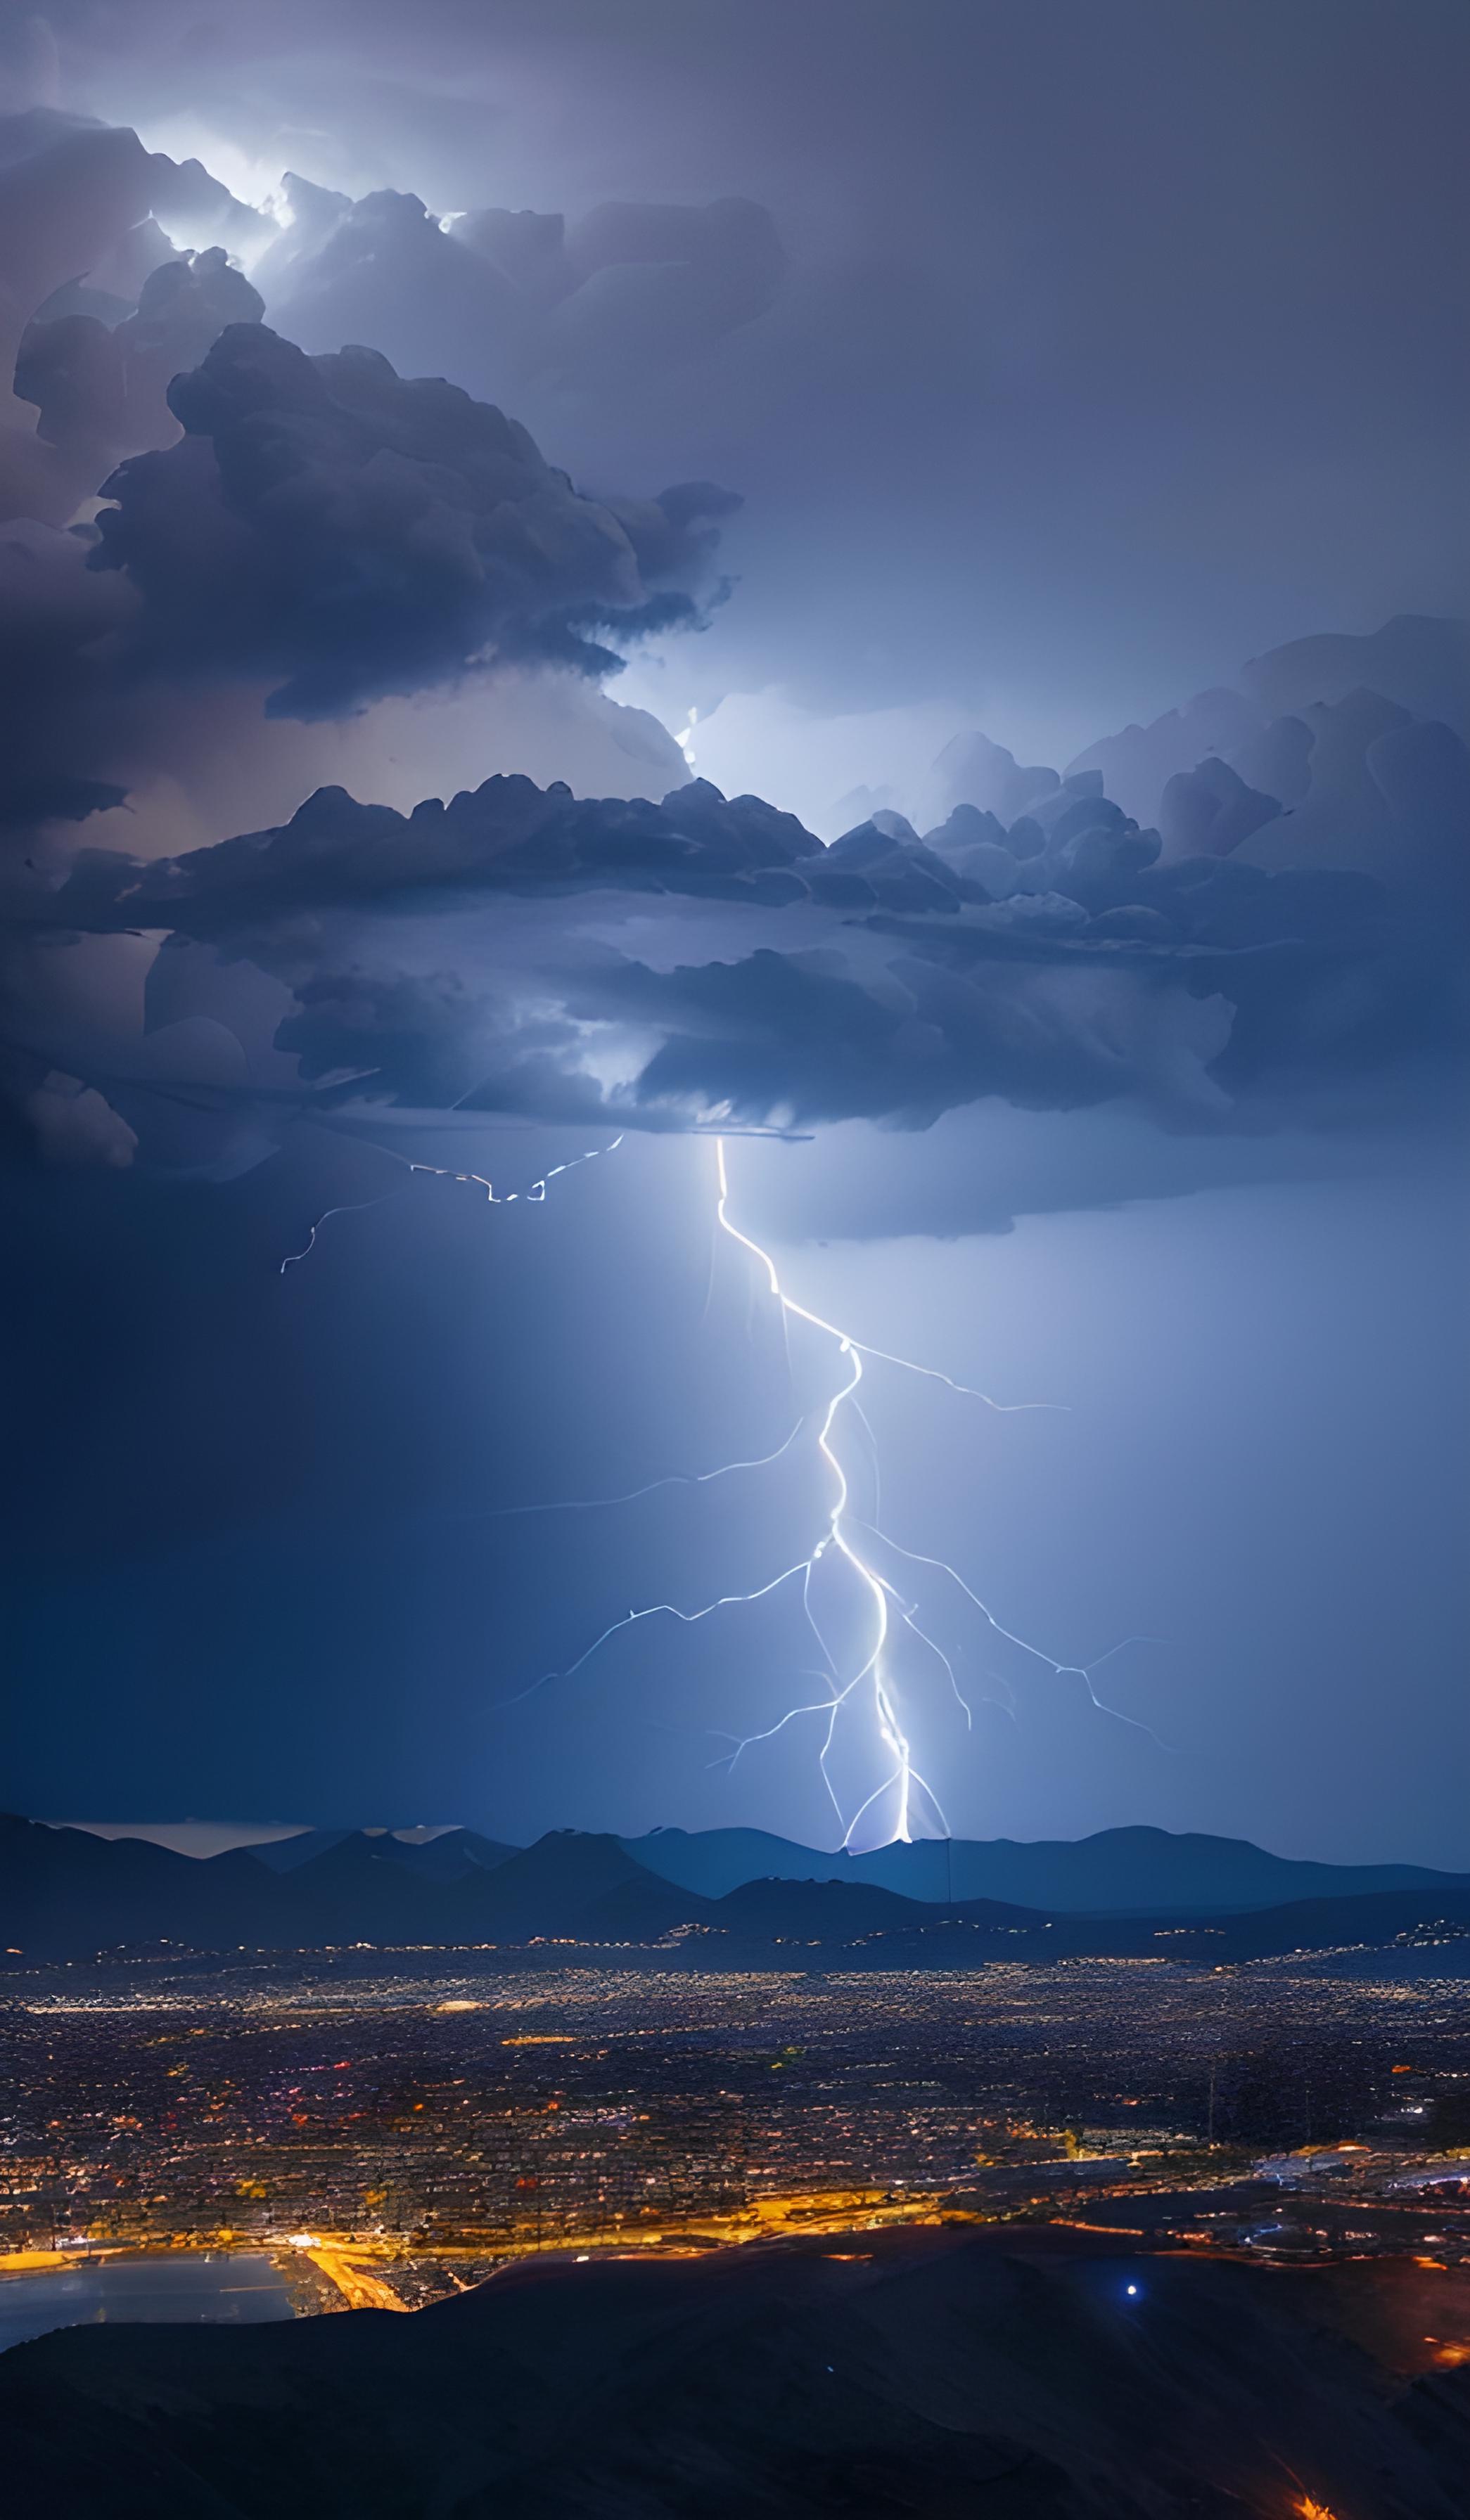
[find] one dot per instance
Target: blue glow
(908, 1803)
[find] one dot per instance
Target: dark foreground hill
(961, 2375)
(65, 1895)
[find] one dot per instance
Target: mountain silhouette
(1111, 1873)
(67, 1895)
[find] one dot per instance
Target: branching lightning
(866, 1688)
(532, 1195)
(650, 1487)
(861, 1686)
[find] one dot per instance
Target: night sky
(1039, 429)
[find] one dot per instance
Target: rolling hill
(1029, 2376)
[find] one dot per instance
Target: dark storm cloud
(82, 237)
(67, 199)
(88, 216)
(805, 1041)
(63, 694)
(324, 530)
(57, 799)
(1130, 333)
(331, 531)
(507, 835)
(1063, 960)
(345, 533)
(101, 389)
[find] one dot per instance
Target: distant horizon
(229, 1835)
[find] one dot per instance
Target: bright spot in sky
(256, 180)
(831, 769)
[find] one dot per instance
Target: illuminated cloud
(525, 951)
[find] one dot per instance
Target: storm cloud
(81, 238)
(286, 534)
(627, 289)
(353, 532)
(672, 963)
(1245, 912)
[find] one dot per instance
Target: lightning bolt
(532, 1195)
(845, 1541)
(650, 1487)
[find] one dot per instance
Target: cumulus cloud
(343, 532)
(1420, 662)
(86, 219)
(627, 288)
(1300, 726)
(507, 835)
(1136, 764)
(633, 286)
(416, 539)
(100, 388)
(802, 1041)
(324, 536)
(1210, 810)
(1236, 913)
(57, 621)
(522, 950)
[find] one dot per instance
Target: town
(396, 2124)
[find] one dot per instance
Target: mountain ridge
(1116, 1870)
(67, 1896)
(1111, 1872)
